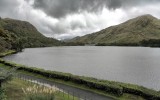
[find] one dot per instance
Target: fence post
(73, 95)
(63, 92)
(68, 94)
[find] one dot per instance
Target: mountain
(131, 32)
(16, 33)
(6, 40)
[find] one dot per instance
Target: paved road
(84, 94)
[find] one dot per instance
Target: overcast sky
(68, 18)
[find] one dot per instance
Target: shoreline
(111, 89)
(114, 89)
(78, 92)
(8, 52)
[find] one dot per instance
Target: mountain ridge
(22, 34)
(133, 31)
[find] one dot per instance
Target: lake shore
(114, 89)
(134, 65)
(8, 52)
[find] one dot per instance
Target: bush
(2, 94)
(151, 43)
(115, 88)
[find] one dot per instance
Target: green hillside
(7, 40)
(16, 33)
(131, 32)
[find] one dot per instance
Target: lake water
(136, 65)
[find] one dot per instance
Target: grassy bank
(125, 96)
(8, 52)
(14, 91)
(116, 89)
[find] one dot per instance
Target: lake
(136, 65)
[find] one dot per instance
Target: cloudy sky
(69, 18)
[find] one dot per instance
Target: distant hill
(131, 32)
(16, 33)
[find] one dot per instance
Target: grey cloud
(61, 8)
(8, 6)
(63, 26)
(68, 18)
(58, 28)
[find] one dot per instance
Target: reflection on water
(137, 65)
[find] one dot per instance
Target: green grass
(62, 96)
(14, 91)
(64, 82)
(8, 52)
(124, 96)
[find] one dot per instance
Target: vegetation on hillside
(151, 42)
(129, 33)
(16, 34)
(7, 40)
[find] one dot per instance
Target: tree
(6, 75)
(18, 44)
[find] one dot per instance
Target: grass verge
(125, 95)
(8, 52)
(14, 91)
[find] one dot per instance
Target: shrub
(2, 94)
(115, 88)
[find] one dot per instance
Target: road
(84, 94)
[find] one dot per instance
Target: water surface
(136, 65)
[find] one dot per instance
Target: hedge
(115, 88)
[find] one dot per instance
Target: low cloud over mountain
(69, 18)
